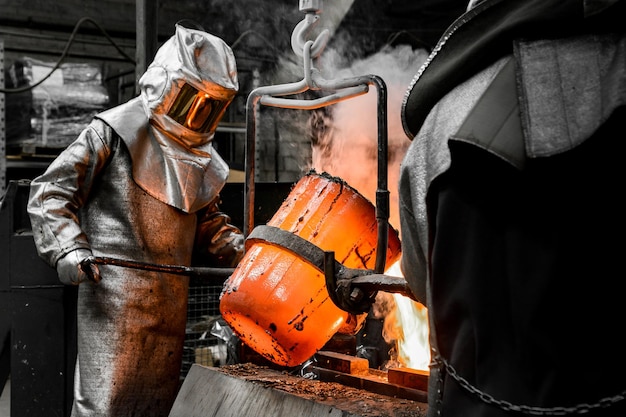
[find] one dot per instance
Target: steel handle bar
(170, 269)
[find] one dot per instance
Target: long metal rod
(382, 282)
(170, 269)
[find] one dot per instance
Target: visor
(197, 110)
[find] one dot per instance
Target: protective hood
(194, 73)
(189, 58)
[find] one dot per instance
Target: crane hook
(311, 18)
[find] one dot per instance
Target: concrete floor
(5, 404)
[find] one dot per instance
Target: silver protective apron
(139, 317)
(131, 325)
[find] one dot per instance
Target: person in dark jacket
(140, 183)
(512, 218)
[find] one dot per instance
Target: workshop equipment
(275, 303)
(276, 300)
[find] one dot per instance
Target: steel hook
(302, 29)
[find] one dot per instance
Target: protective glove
(71, 272)
(218, 243)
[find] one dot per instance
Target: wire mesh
(202, 342)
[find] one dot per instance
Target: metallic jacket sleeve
(218, 243)
(57, 195)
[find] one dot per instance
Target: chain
(526, 409)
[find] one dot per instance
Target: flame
(413, 347)
(406, 324)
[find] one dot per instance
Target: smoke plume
(344, 136)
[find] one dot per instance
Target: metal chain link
(582, 408)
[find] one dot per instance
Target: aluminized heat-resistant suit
(140, 184)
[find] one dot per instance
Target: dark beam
(147, 34)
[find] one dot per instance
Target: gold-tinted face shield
(197, 110)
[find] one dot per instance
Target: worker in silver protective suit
(141, 182)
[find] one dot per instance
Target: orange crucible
(275, 301)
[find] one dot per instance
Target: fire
(412, 344)
(406, 324)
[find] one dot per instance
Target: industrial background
(101, 47)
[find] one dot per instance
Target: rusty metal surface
(410, 378)
(348, 364)
(248, 389)
(374, 382)
(352, 371)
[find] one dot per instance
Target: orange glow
(199, 112)
(275, 301)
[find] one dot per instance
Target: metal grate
(202, 346)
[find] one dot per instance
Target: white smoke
(346, 143)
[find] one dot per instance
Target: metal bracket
(351, 289)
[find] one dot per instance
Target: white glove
(70, 271)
